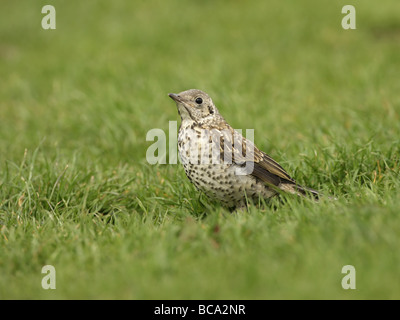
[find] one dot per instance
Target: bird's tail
(305, 191)
(300, 190)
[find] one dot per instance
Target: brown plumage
(220, 161)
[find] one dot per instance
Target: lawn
(76, 190)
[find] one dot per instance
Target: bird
(223, 164)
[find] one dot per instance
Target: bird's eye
(199, 100)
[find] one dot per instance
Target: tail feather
(300, 190)
(305, 191)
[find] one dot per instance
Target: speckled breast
(206, 169)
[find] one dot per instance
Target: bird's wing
(241, 151)
(264, 167)
(245, 154)
(267, 168)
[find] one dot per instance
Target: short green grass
(76, 191)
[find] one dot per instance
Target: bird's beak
(175, 97)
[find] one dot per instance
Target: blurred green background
(76, 190)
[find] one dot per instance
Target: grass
(76, 191)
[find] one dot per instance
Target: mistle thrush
(223, 164)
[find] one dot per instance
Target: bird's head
(195, 105)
